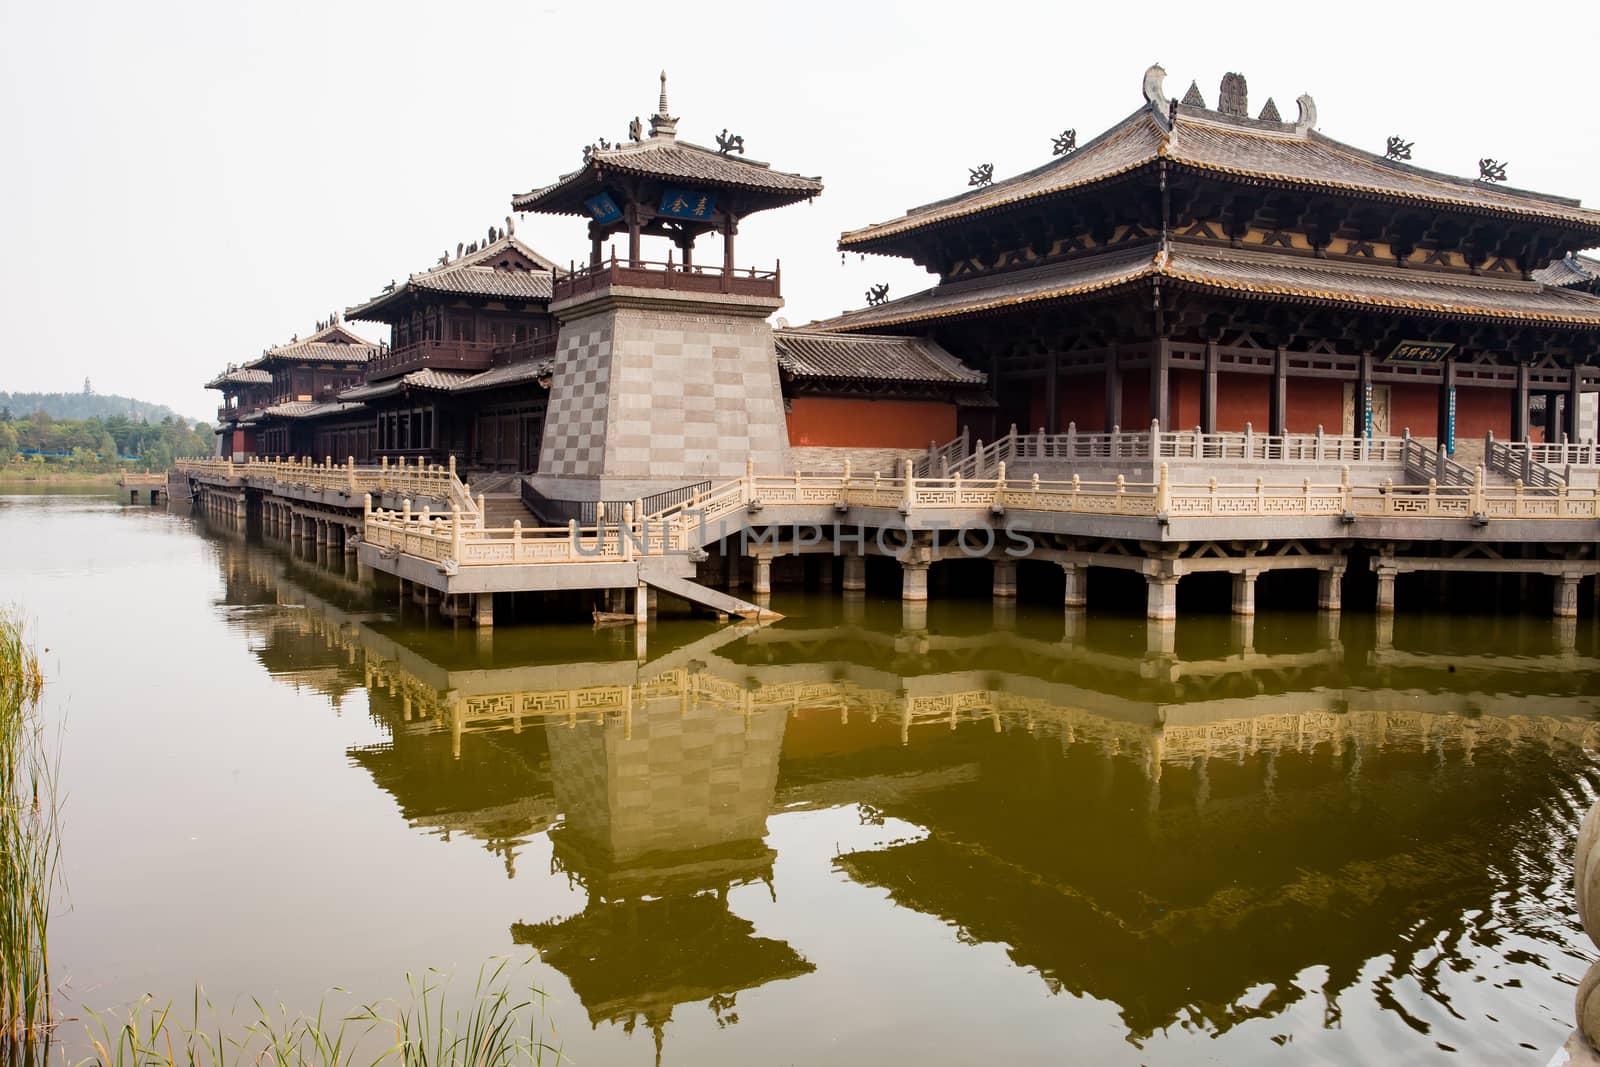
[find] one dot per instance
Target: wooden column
(1161, 381)
(633, 235)
(594, 251)
(1113, 391)
(730, 227)
(1208, 390)
(1519, 404)
(1052, 412)
(1279, 406)
(1552, 417)
(1574, 391)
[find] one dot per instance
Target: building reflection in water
(1170, 828)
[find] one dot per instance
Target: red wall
(1083, 401)
(847, 422)
(1414, 406)
(1315, 402)
(1479, 411)
(1243, 398)
(1184, 399)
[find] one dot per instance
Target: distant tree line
(100, 444)
(88, 405)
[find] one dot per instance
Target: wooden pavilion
(1200, 267)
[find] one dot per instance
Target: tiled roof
(511, 374)
(426, 378)
(670, 159)
(331, 344)
(1573, 270)
(973, 295)
(474, 274)
(301, 409)
(453, 381)
(1261, 150)
(240, 376)
(1256, 274)
(869, 357)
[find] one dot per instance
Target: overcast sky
(185, 183)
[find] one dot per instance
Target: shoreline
(106, 479)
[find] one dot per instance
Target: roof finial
(662, 124)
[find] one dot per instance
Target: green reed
(494, 1028)
(29, 851)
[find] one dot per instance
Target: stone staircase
(501, 510)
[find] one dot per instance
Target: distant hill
(88, 406)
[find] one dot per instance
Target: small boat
(613, 618)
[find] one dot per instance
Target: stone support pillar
(1005, 579)
(1566, 599)
(913, 580)
(1244, 592)
(1076, 596)
(1161, 600)
(483, 610)
(763, 579)
(641, 604)
(1330, 589)
(855, 574)
(1386, 577)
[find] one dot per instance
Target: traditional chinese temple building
(468, 361)
(272, 403)
(1200, 267)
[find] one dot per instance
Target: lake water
(848, 837)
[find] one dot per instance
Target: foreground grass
(29, 849)
(493, 1028)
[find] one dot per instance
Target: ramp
(661, 578)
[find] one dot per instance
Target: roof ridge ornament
(1233, 98)
(878, 294)
(727, 145)
(1308, 114)
(1269, 112)
(1154, 78)
(662, 124)
(1192, 98)
(982, 174)
(1398, 148)
(1491, 170)
(1065, 144)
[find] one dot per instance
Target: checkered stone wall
(653, 394)
(575, 424)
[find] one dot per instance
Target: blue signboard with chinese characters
(1366, 405)
(603, 209)
(1450, 423)
(1419, 352)
(687, 204)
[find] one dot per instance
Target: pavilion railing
(1154, 445)
(1433, 464)
(675, 277)
(414, 480)
(1517, 460)
(454, 540)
